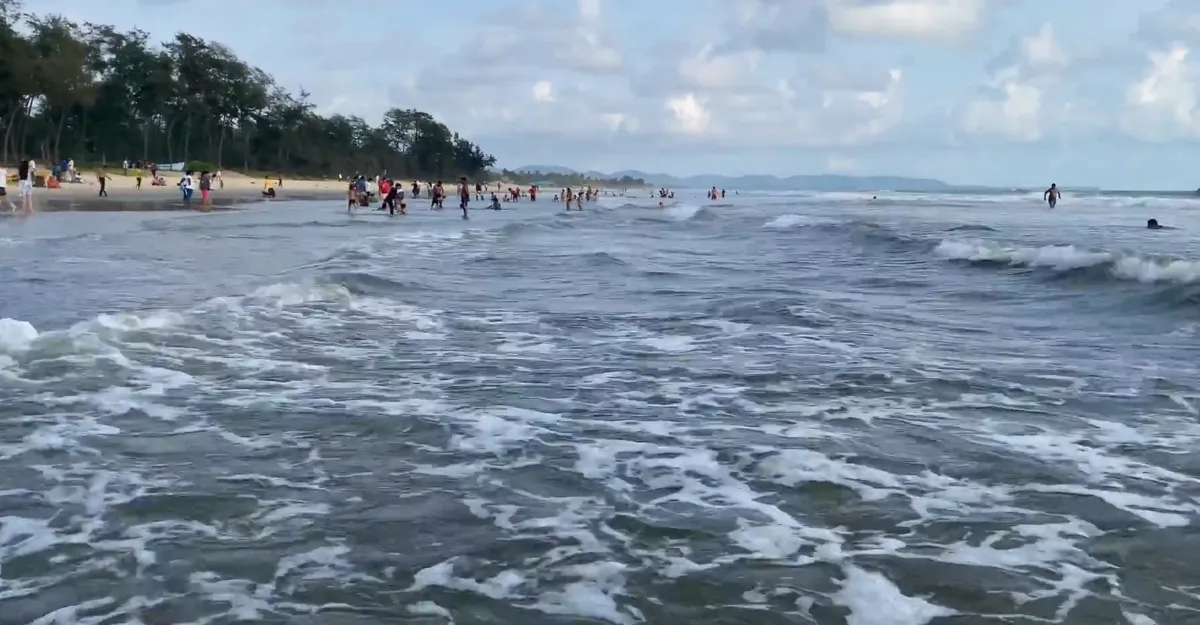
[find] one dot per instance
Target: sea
(829, 408)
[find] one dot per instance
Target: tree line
(570, 180)
(96, 94)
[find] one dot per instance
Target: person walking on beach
(138, 177)
(103, 178)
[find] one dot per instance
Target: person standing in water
(205, 190)
(187, 188)
(1051, 195)
(464, 195)
(4, 189)
(436, 196)
(26, 171)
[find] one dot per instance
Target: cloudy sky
(1006, 92)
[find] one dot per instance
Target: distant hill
(826, 182)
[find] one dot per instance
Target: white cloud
(1178, 21)
(823, 83)
(543, 91)
(1163, 104)
(705, 70)
(1017, 116)
(545, 36)
(688, 115)
(919, 19)
(1013, 106)
(1042, 50)
(869, 113)
(778, 25)
(590, 10)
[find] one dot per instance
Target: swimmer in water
(1152, 224)
(1051, 195)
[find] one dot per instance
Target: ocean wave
(790, 220)
(367, 283)
(971, 228)
(1070, 258)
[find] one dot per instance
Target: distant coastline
(830, 182)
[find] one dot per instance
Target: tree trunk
(170, 131)
(187, 138)
(83, 134)
(146, 139)
(8, 127)
(62, 120)
(23, 135)
(220, 145)
(246, 154)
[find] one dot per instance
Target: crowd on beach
(361, 191)
(27, 178)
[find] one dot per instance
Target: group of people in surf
(360, 193)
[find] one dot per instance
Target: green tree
(96, 93)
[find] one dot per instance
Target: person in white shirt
(26, 172)
(187, 187)
(4, 189)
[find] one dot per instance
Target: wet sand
(140, 200)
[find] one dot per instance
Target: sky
(998, 92)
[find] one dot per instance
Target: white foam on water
(874, 600)
(683, 211)
(1061, 257)
(16, 335)
(676, 344)
(655, 477)
(783, 222)
(524, 342)
(1068, 257)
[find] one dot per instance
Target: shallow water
(773, 408)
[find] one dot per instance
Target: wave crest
(1066, 258)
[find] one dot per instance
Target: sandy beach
(123, 194)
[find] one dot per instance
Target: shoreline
(123, 196)
(124, 200)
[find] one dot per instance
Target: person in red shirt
(532, 194)
(385, 186)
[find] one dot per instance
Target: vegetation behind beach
(95, 94)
